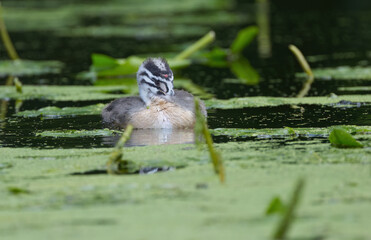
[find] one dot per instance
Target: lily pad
(342, 139)
(78, 133)
(53, 112)
(29, 68)
(341, 73)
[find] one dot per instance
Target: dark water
(338, 30)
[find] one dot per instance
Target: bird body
(159, 105)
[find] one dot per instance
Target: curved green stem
(203, 42)
(6, 39)
(305, 66)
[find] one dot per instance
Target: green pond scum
(293, 153)
(256, 172)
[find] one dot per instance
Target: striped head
(155, 79)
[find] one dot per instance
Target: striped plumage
(159, 105)
(155, 78)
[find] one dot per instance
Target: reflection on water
(142, 137)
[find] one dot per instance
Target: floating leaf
(244, 38)
(342, 139)
(28, 68)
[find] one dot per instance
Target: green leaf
(288, 217)
(290, 131)
(101, 61)
(342, 139)
(244, 71)
(276, 206)
(244, 38)
(216, 57)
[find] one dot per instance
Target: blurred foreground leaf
(289, 214)
(115, 163)
(202, 132)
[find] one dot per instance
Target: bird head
(155, 79)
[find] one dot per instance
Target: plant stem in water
(116, 155)
(201, 129)
(6, 39)
(305, 66)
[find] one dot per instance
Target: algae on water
(78, 133)
(234, 103)
(341, 73)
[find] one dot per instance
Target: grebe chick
(159, 105)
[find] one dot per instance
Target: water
(337, 32)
